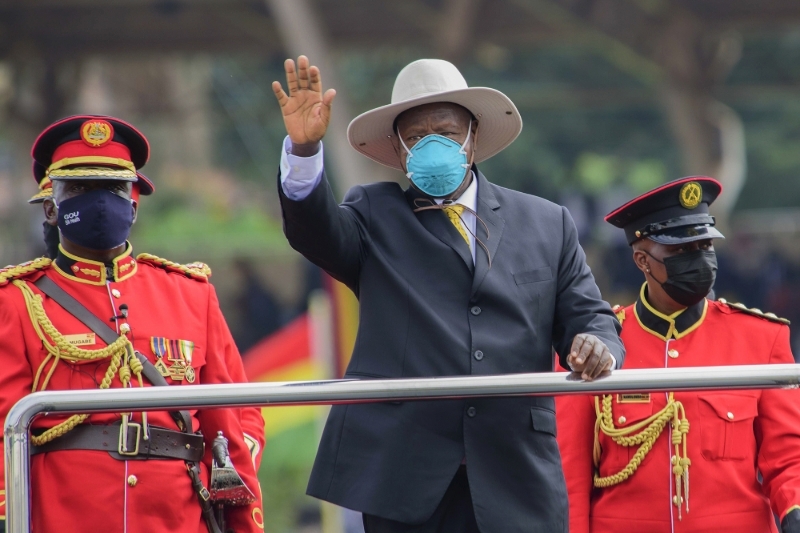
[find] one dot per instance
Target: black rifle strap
(90, 320)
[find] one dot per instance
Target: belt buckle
(122, 448)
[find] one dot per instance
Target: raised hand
(306, 110)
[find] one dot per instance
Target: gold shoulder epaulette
(12, 272)
(197, 270)
(620, 312)
(772, 317)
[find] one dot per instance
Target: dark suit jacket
(426, 311)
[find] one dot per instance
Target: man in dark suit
(455, 276)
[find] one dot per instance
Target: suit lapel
(437, 223)
(487, 211)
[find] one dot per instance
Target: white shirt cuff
(299, 175)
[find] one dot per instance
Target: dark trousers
(454, 514)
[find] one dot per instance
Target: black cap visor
(686, 234)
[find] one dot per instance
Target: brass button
(132, 480)
(115, 293)
(730, 415)
(124, 328)
(673, 354)
(188, 446)
(622, 420)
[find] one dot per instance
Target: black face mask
(690, 276)
(98, 219)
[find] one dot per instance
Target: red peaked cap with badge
(90, 147)
(675, 213)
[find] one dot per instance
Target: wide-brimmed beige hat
(432, 80)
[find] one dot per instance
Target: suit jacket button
(471, 412)
(478, 355)
(475, 310)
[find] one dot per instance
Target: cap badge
(691, 195)
(96, 133)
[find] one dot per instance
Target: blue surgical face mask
(98, 219)
(437, 165)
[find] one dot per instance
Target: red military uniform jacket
(168, 305)
(732, 435)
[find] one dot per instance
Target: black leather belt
(161, 444)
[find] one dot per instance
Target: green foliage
(773, 137)
(249, 126)
(285, 468)
(646, 174)
(370, 73)
(182, 232)
(595, 173)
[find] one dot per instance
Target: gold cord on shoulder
(644, 434)
(123, 359)
(194, 270)
(14, 272)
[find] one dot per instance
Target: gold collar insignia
(91, 272)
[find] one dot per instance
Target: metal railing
(19, 419)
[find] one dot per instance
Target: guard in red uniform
(684, 461)
(122, 472)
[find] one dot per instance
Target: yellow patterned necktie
(454, 214)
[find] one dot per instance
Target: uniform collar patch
(91, 272)
(672, 326)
